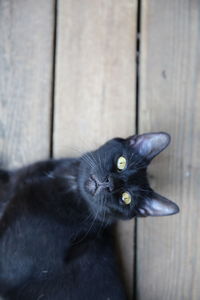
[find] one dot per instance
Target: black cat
(55, 216)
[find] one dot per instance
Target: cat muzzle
(95, 186)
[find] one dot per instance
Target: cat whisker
(100, 163)
(88, 162)
(90, 158)
(143, 190)
(138, 164)
(104, 214)
(86, 234)
(70, 177)
(86, 156)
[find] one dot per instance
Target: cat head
(113, 179)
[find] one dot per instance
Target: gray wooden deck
(69, 80)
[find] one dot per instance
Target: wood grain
(26, 47)
(168, 248)
(95, 83)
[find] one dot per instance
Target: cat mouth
(91, 185)
(94, 186)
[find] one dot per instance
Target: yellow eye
(121, 163)
(126, 198)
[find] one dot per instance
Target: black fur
(55, 239)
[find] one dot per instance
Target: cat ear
(149, 145)
(157, 205)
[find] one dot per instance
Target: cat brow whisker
(143, 190)
(139, 163)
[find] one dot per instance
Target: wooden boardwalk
(75, 73)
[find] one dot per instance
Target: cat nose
(110, 183)
(106, 183)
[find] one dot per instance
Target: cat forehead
(116, 143)
(110, 152)
(119, 147)
(116, 146)
(137, 177)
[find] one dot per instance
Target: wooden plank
(26, 30)
(168, 248)
(95, 82)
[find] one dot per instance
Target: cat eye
(126, 198)
(121, 163)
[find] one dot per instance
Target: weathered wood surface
(26, 35)
(95, 83)
(95, 100)
(169, 248)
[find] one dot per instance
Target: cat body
(55, 219)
